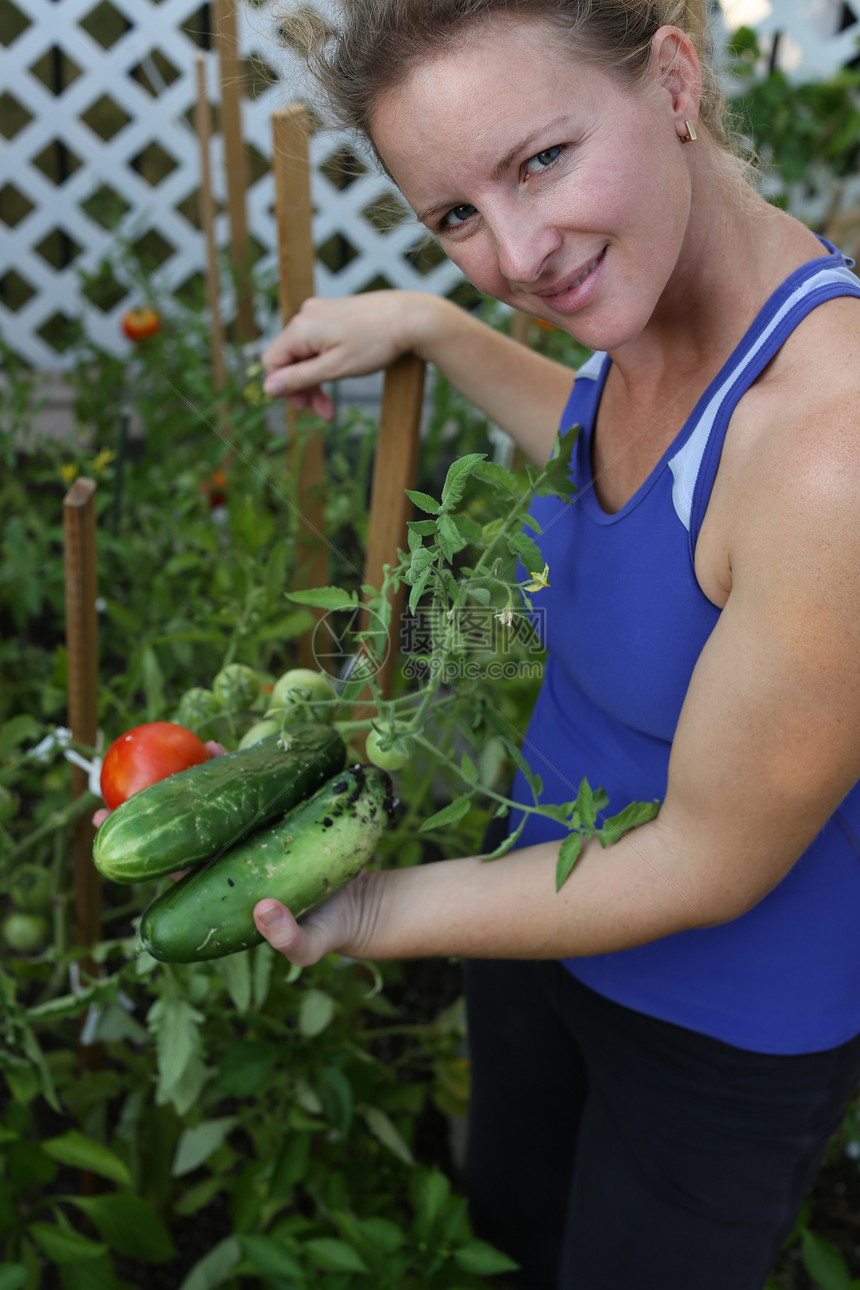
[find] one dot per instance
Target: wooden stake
(521, 327)
(235, 162)
(291, 127)
(79, 527)
(203, 126)
(291, 164)
(395, 469)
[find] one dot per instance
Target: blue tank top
(625, 622)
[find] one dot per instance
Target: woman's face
(551, 185)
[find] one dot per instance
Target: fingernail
(272, 386)
(270, 917)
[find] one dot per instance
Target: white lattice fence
(96, 135)
(96, 110)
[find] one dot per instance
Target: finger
(316, 399)
(215, 749)
(100, 816)
(302, 945)
(322, 404)
(304, 372)
(282, 349)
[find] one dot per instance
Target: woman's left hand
(340, 925)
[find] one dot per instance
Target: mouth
(577, 282)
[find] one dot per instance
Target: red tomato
(216, 488)
(146, 754)
(140, 323)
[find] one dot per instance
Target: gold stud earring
(691, 135)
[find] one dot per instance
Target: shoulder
(807, 402)
(789, 477)
(796, 483)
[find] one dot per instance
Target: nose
(524, 246)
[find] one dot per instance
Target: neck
(737, 250)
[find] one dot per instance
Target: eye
(543, 159)
(457, 215)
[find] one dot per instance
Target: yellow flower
(104, 459)
(253, 394)
(539, 580)
(69, 472)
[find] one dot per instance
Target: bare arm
(767, 745)
(521, 391)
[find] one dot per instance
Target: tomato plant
(237, 686)
(260, 730)
(303, 686)
(387, 751)
(146, 754)
(30, 888)
(140, 324)
(25, 933)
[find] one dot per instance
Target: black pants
(610, 1151)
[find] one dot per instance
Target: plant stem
(56, 820)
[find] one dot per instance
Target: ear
(678, 73)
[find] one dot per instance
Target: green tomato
(260, 730)
(25, 933)
(387, 751)
(237, 686)
(30, 889)
(202, 712)
(299, 688)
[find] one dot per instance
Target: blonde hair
(369, 47)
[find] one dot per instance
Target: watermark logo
(339, 643)
(480, 644)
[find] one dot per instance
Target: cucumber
(301, 860)
(200, 812)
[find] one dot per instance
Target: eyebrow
(503, 164)
(526, 142)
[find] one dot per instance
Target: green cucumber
(301, 861)
(200, 812)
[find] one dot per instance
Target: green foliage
(238, 1122)
(805, 134)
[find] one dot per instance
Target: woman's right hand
(328, 340)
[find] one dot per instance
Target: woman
(662, 1049)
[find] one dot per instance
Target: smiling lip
(558, 292)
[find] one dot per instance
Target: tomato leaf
(271, 1258)
(567, 857)
(383, 1128)
(531, 557)
(482, 1260)
(458, 474)
(555, 480)
(423, 501)
(634, 814)
(450, 540)
(215, 1267)
(324, 598)
(332, 1255)
(196, 1144)
(490, 472)
(63, 1244)
(128, 1225)
(315, 1012)
(449, 814)
(824, 1263)
(74, 1148)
